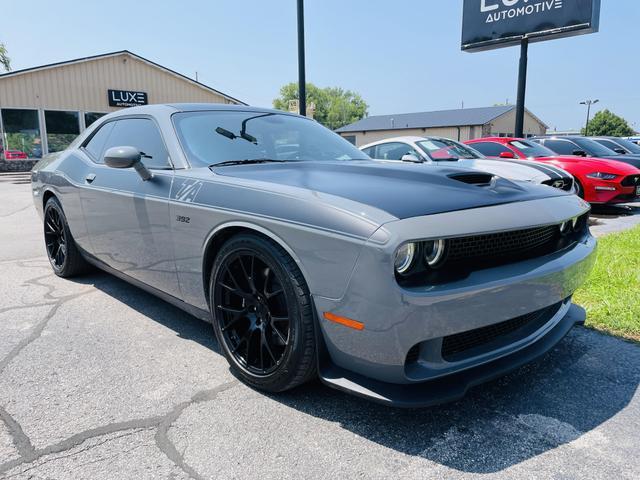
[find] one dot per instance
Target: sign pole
(302, 86)
(522, 87)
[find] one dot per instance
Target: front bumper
(397, 320)
(452, 387)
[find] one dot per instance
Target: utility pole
(588, 103)
(302, 86)
(522, 87)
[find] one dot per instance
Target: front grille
(565, 184)
(503, 245)
(631, 181)
(473, 342)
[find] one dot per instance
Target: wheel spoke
(247, 276)
(279, 319)
(282, 339)
(268, 348)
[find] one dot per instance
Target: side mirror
(126, 157)
(621, 151)
(507, 155)
(410, 157)
(580, 153)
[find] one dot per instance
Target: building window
(21, 133)
(62, 129)
(90, 117)
(350, 138)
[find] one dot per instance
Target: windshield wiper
(250, 161)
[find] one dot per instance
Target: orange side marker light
(347, 322)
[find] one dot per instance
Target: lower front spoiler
(451, 387)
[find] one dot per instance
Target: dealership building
(42, 109)
(461, 124)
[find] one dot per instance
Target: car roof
(195, 107)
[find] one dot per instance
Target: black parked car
(619, 145)
(584, 147)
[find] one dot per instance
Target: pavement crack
(163, 442)
(161, 422)
(20, 440)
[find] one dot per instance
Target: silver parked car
(439, 150)
(400, 283)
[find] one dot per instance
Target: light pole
(302, 87)
(588, 103)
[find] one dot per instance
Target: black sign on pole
(490, 24)
(126, 98)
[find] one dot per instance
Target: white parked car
(441, 150)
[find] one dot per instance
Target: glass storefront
(20, 134)
(90, 117)
(62, 129)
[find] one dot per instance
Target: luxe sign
(489, 24)
(126, 98)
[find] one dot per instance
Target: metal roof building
(43, 108)
(461, 124)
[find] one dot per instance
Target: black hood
(402, 190)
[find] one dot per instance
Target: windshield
(630, 146)
(212, 137)
(592, 147)
(532, 150)
(445, 149)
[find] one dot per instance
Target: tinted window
(445, 149)
(394, 151)
(562, 147)
(214, 137)
(593, 148)
(630, 146)
(143, 135)
(532, 150)
(490, 149)
(369, 151)
(96, 143)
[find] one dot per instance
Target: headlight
(602, 175)
(404, 257)
(434, 252)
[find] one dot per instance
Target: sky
(401, 56)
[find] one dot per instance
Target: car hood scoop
(402, 190)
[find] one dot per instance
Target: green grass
(611, 295)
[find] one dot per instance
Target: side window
(95, 145)
(490, 149)
(608, 143)
(561, 147)
(369, 151)
(142, 134)
(394, 151)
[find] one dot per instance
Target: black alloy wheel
(64, 256)
(55, 238)
(262, 314)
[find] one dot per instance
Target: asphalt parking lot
(101, 380)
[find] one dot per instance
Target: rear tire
(262, 314)
(63, 253)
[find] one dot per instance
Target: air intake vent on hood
(479, 179)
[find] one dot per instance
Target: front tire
(62, 251)
(262, 314)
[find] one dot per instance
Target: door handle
(90, 178)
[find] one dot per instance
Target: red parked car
(12, 155)
(597, 180)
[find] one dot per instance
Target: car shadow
(585, 381)
(614, 211)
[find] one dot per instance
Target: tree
(5, 61)
(608, 124)
(335, 107)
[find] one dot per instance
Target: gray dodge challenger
(399, 283)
